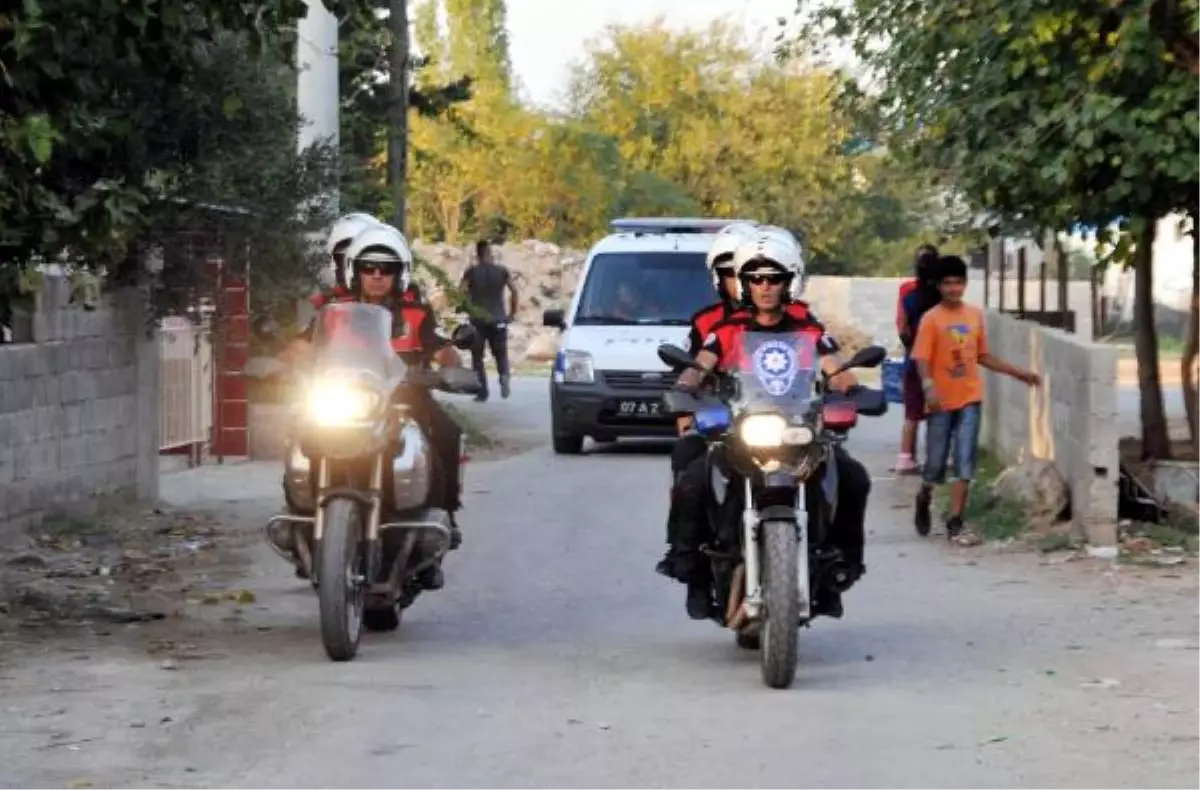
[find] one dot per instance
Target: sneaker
(923, 518)
(505, 391)
(958, 533)
(699, 601)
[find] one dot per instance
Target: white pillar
(317, 81)
(317, 96)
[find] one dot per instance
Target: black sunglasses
(377, 269)
(767, 279)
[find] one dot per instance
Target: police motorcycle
(773, 424)
(358, 470)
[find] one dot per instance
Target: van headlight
(575, 367)
(762, 430)
(336, 403)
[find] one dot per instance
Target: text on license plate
(639, 408)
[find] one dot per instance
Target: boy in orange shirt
(950, 348)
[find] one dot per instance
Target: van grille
(636, 380)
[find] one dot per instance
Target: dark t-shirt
(486, 283)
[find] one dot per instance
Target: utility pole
(398, 108)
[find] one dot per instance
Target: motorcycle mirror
(675, 357)
(869, 357)
(463, 336)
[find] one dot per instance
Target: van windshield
(663, 288)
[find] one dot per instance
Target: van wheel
(568, 445)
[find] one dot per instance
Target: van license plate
(639, 408)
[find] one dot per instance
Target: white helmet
(785, 235)
(382, 244)
(770, 251)
(724, 245)
(346, 228)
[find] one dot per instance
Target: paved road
(555, 657)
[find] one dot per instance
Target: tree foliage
(1054, 112)
(1051, 113)
(658, 122)
(91, 129)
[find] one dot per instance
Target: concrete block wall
(79, 408)
(1071, 420)
(869, 303)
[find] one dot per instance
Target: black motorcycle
(773, 427)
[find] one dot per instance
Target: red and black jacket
(725, 339)
(415, 334)
(703, 322)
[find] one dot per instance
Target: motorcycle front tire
(341, 590)
(779, 652)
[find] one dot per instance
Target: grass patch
(477, 438)
(992, 516)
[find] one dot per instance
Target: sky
(545, 36)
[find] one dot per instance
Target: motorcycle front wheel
(778, 651)
(341, 586)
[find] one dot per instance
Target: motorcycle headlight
(334, 403)
(763, 430)
(799, 435)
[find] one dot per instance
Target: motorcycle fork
(322, 486)
(752, 552)
(374, 514)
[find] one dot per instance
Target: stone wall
(869, 303)
(1071, 420)
(79, 411)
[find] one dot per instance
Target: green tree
(1054, 112)
(87, 138)
(477, 42)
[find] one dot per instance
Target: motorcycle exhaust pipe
(734, 609)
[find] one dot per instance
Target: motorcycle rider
(769, 272)
(381, 262)
(691, 445)
(340, 235)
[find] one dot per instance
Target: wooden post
(987, 273)
(1063, 307)
(1000, 285)
(1021, 282)
(1042, 278)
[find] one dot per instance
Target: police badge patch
(776, 364)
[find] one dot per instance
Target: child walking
(950, 348)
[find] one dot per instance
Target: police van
(640, 287)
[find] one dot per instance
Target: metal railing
(185, 387)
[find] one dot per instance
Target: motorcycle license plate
(639, 409)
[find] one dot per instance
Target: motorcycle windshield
(355, 336)
(777, 371)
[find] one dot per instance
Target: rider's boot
(432, 578)
(699, 599)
